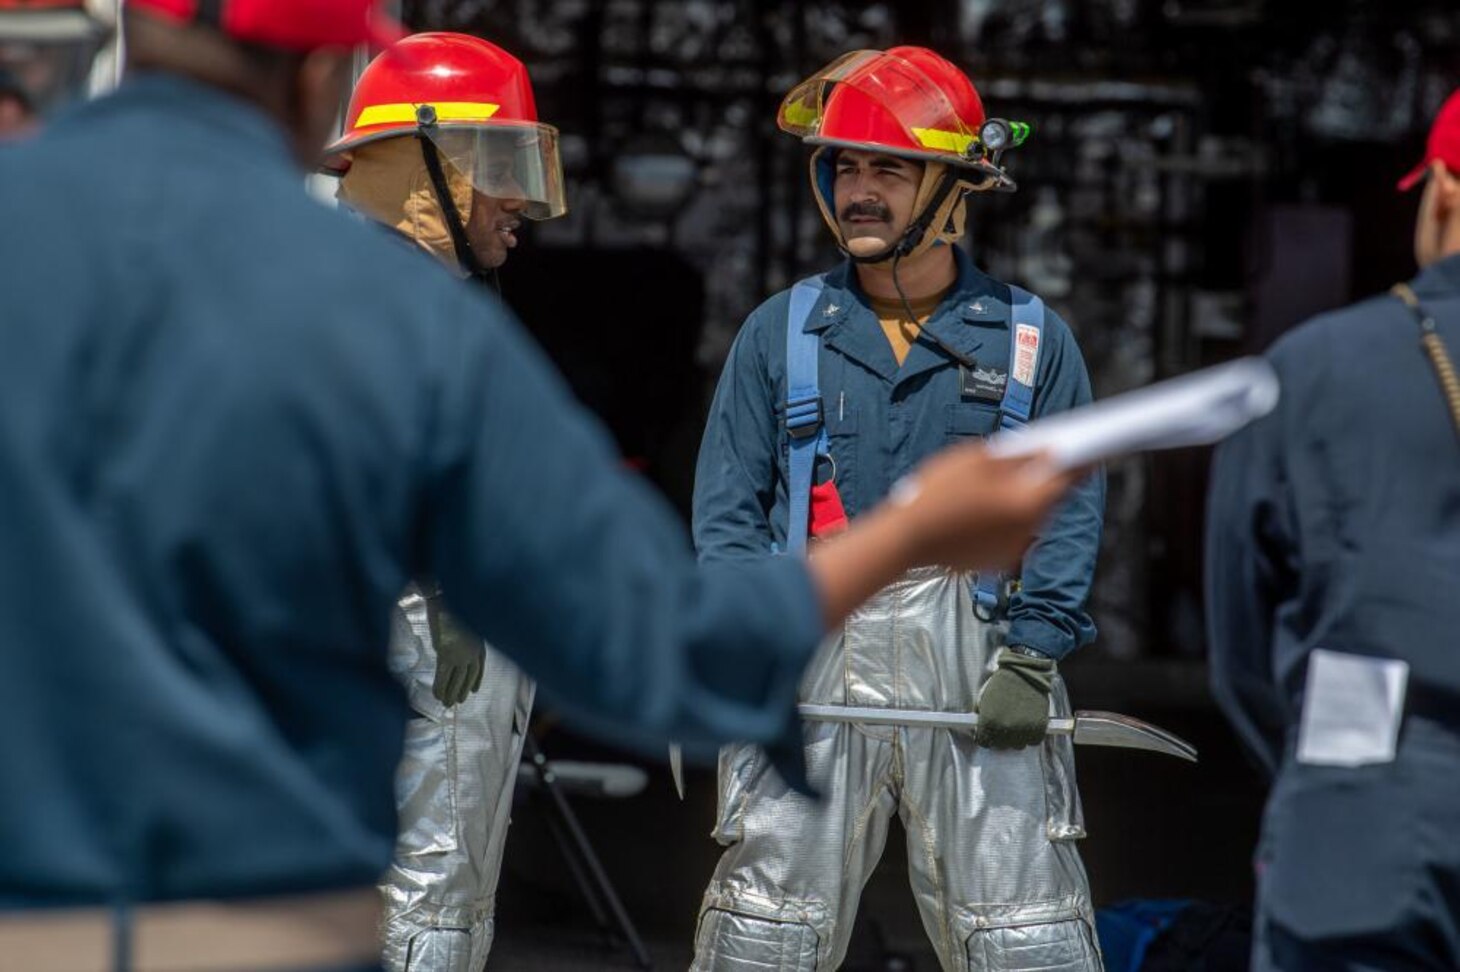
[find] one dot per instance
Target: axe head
(676, 767)
(1114, 729)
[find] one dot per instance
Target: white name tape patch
(1352, 708)
(1026, 353)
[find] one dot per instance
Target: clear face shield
(49, 73)
(919, 106)
(507, 161)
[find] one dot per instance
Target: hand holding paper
(1196, 409)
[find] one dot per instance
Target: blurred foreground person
(225, 449)
(832, 392)
(443, 147)
(46, 53)
(1333, 585)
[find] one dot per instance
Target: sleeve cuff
(1042, 636)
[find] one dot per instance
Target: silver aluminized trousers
(454, 793)
(994, 867)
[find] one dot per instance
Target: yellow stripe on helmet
(940, 141)
(446, 111)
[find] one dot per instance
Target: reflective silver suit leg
(454, 792)
(786, 890)
(991, 854)
(995, 872)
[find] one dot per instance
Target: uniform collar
(191, 106)
(976, 302)
(1440, 277)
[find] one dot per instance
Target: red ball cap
(1443, 146)
(296, 25)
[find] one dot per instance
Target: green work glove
(459, 656)
(1013, 708)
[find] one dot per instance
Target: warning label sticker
(1026, 353)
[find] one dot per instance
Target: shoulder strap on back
(804, 423)
(1434, 346)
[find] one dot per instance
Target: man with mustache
(832, 392)
(443, 147)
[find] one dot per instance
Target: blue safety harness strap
(1026, 313)
(805, 419)
(805, 422)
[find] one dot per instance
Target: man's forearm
(962, 509)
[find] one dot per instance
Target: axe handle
(1088, 728)
(870, 716)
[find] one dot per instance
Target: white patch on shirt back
(1352, 708)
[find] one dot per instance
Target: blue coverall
(233, 424)
(991, 834)
(882, 420)
(1334, 523)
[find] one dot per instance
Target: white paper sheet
(1352, 708)
(1196, 409)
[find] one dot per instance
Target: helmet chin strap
(465, 257)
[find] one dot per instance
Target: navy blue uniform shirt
(233, 423)
(1334, 522)
(882, 420)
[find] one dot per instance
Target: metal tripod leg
(577, 846)
(575, 868)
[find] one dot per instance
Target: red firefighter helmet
(474, 101)
(911, 102)
(906, 101)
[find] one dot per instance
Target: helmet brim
(998, 175)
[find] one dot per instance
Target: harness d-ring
(832, 459)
